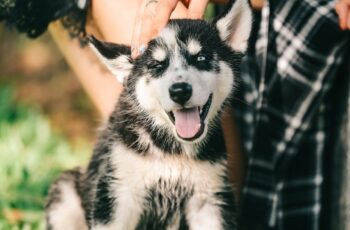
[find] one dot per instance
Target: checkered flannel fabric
(286, 86)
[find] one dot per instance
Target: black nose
(180, 92)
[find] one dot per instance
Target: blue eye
(158, 66)
(201, 58)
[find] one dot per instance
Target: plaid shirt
(291, 83)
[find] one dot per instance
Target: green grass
(31, 157)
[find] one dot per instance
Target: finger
(180, 11)
(143, 29)
(164, 10)
(152, 18)
(348, 19)
(197, 8)
(347, 15)
(135, 39)
(257, 4)
(148, 29)
(167, 9)
(342, 9)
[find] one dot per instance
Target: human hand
(342, 7)
(153, 15)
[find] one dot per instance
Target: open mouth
(189, 122)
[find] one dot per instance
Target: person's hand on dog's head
(343, 9)
(153, 15)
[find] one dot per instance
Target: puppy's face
(187, 72)
(183, 78)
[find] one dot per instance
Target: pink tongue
(187, 122)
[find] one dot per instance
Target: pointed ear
(235, 26)
(116, 57)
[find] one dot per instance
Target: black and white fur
(143, 175)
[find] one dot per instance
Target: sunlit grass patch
(31, 157)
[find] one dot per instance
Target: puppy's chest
(155, 191)
(166, 174)
(164, 205)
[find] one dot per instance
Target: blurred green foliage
(31, 157)
(209, 13)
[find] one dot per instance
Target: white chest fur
(137, 174)
(137, 171)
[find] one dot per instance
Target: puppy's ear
(235, 26)
(116, 57)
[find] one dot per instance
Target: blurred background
(47, 125)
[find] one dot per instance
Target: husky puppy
(160, 162)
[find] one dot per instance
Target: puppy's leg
(202, 214)
(64, 209)
(228, 208)
(212, 212)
